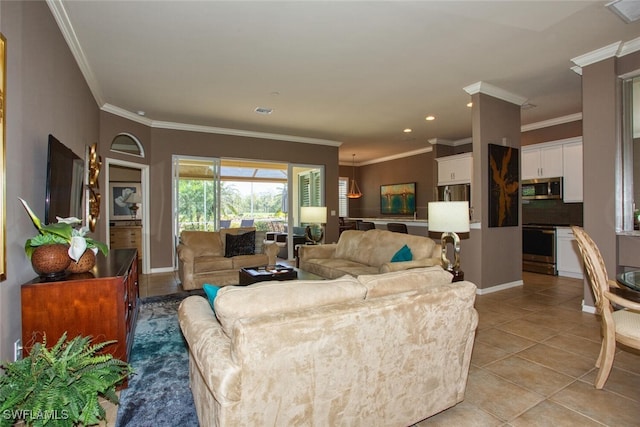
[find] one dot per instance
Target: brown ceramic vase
(50, 261)
(84, 264)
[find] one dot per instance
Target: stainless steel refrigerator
(454, 193)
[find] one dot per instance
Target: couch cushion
(249, 261)
(206, 264)
(203, 242)
(349, 246)
(240, 244)
(236, 302)
(381, 245)
(379, 285)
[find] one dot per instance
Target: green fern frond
(69, 376)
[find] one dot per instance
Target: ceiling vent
(627, 10)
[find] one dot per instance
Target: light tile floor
(533, 360)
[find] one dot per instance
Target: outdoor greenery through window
(248, 190)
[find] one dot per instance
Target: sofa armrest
(211, 349)
(185, 254)
(317, 251)
(405, 265)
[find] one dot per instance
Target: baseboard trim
(163, 270)
(588, 308)
(501, 287)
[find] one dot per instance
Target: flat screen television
(65, 182)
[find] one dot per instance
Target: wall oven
(539, 249)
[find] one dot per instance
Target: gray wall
(46, 93)
(161, 144)
(419, 169)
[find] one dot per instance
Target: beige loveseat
(367, 252)
(380, 350)
(201, 257)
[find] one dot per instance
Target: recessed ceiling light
(407, 130)
(429, 118)
(263, 110)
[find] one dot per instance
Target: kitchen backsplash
(551, 212)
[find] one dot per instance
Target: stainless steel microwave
(543, 188)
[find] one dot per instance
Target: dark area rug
(158, 392)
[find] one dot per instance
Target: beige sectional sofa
(201, 257)
(378, 350)
(367, 252)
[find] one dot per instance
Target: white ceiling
(355, 73)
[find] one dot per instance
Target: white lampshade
(313, 214)
(134, 198)
(449, 217)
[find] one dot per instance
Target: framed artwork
(398, 199)
(504, 184)
(3, 173)
(121, 196)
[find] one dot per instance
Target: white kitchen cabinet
(572, 167)
(568, 258)
(541, 162)
(455, 169)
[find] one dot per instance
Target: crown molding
(597, 55)
(440, 141)
(393, 157)
(496, 92)
(629, 47)
(617, 49)
(216, 130)
(121, 112)
(552, 122)
(62, 19)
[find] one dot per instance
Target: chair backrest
(364, 225)
(594, 265)
(246, 223)
(397, 227)
(225, 223)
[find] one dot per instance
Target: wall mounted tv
(65, 182)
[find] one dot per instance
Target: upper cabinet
(541, 162)
(556, 159)
(572, 171)
(455, 169)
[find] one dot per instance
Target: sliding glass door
(214, 193)
(307, 189)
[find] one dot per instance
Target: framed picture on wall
(125, 200)
(504, 185)
(398, 199)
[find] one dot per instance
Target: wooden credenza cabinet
(102, 303)
(126, 236)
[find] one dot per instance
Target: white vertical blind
(343, 201)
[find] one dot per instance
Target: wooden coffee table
(250, 275)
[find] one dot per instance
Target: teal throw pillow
(211, 292)
(403, 254)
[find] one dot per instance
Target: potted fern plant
(60, 386)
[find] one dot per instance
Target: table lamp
(311, 215)
(133, 200)
(450, 218)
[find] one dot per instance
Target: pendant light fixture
(354, 190)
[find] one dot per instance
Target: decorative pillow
(403, 254)
(211, 292)
(241, 244)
